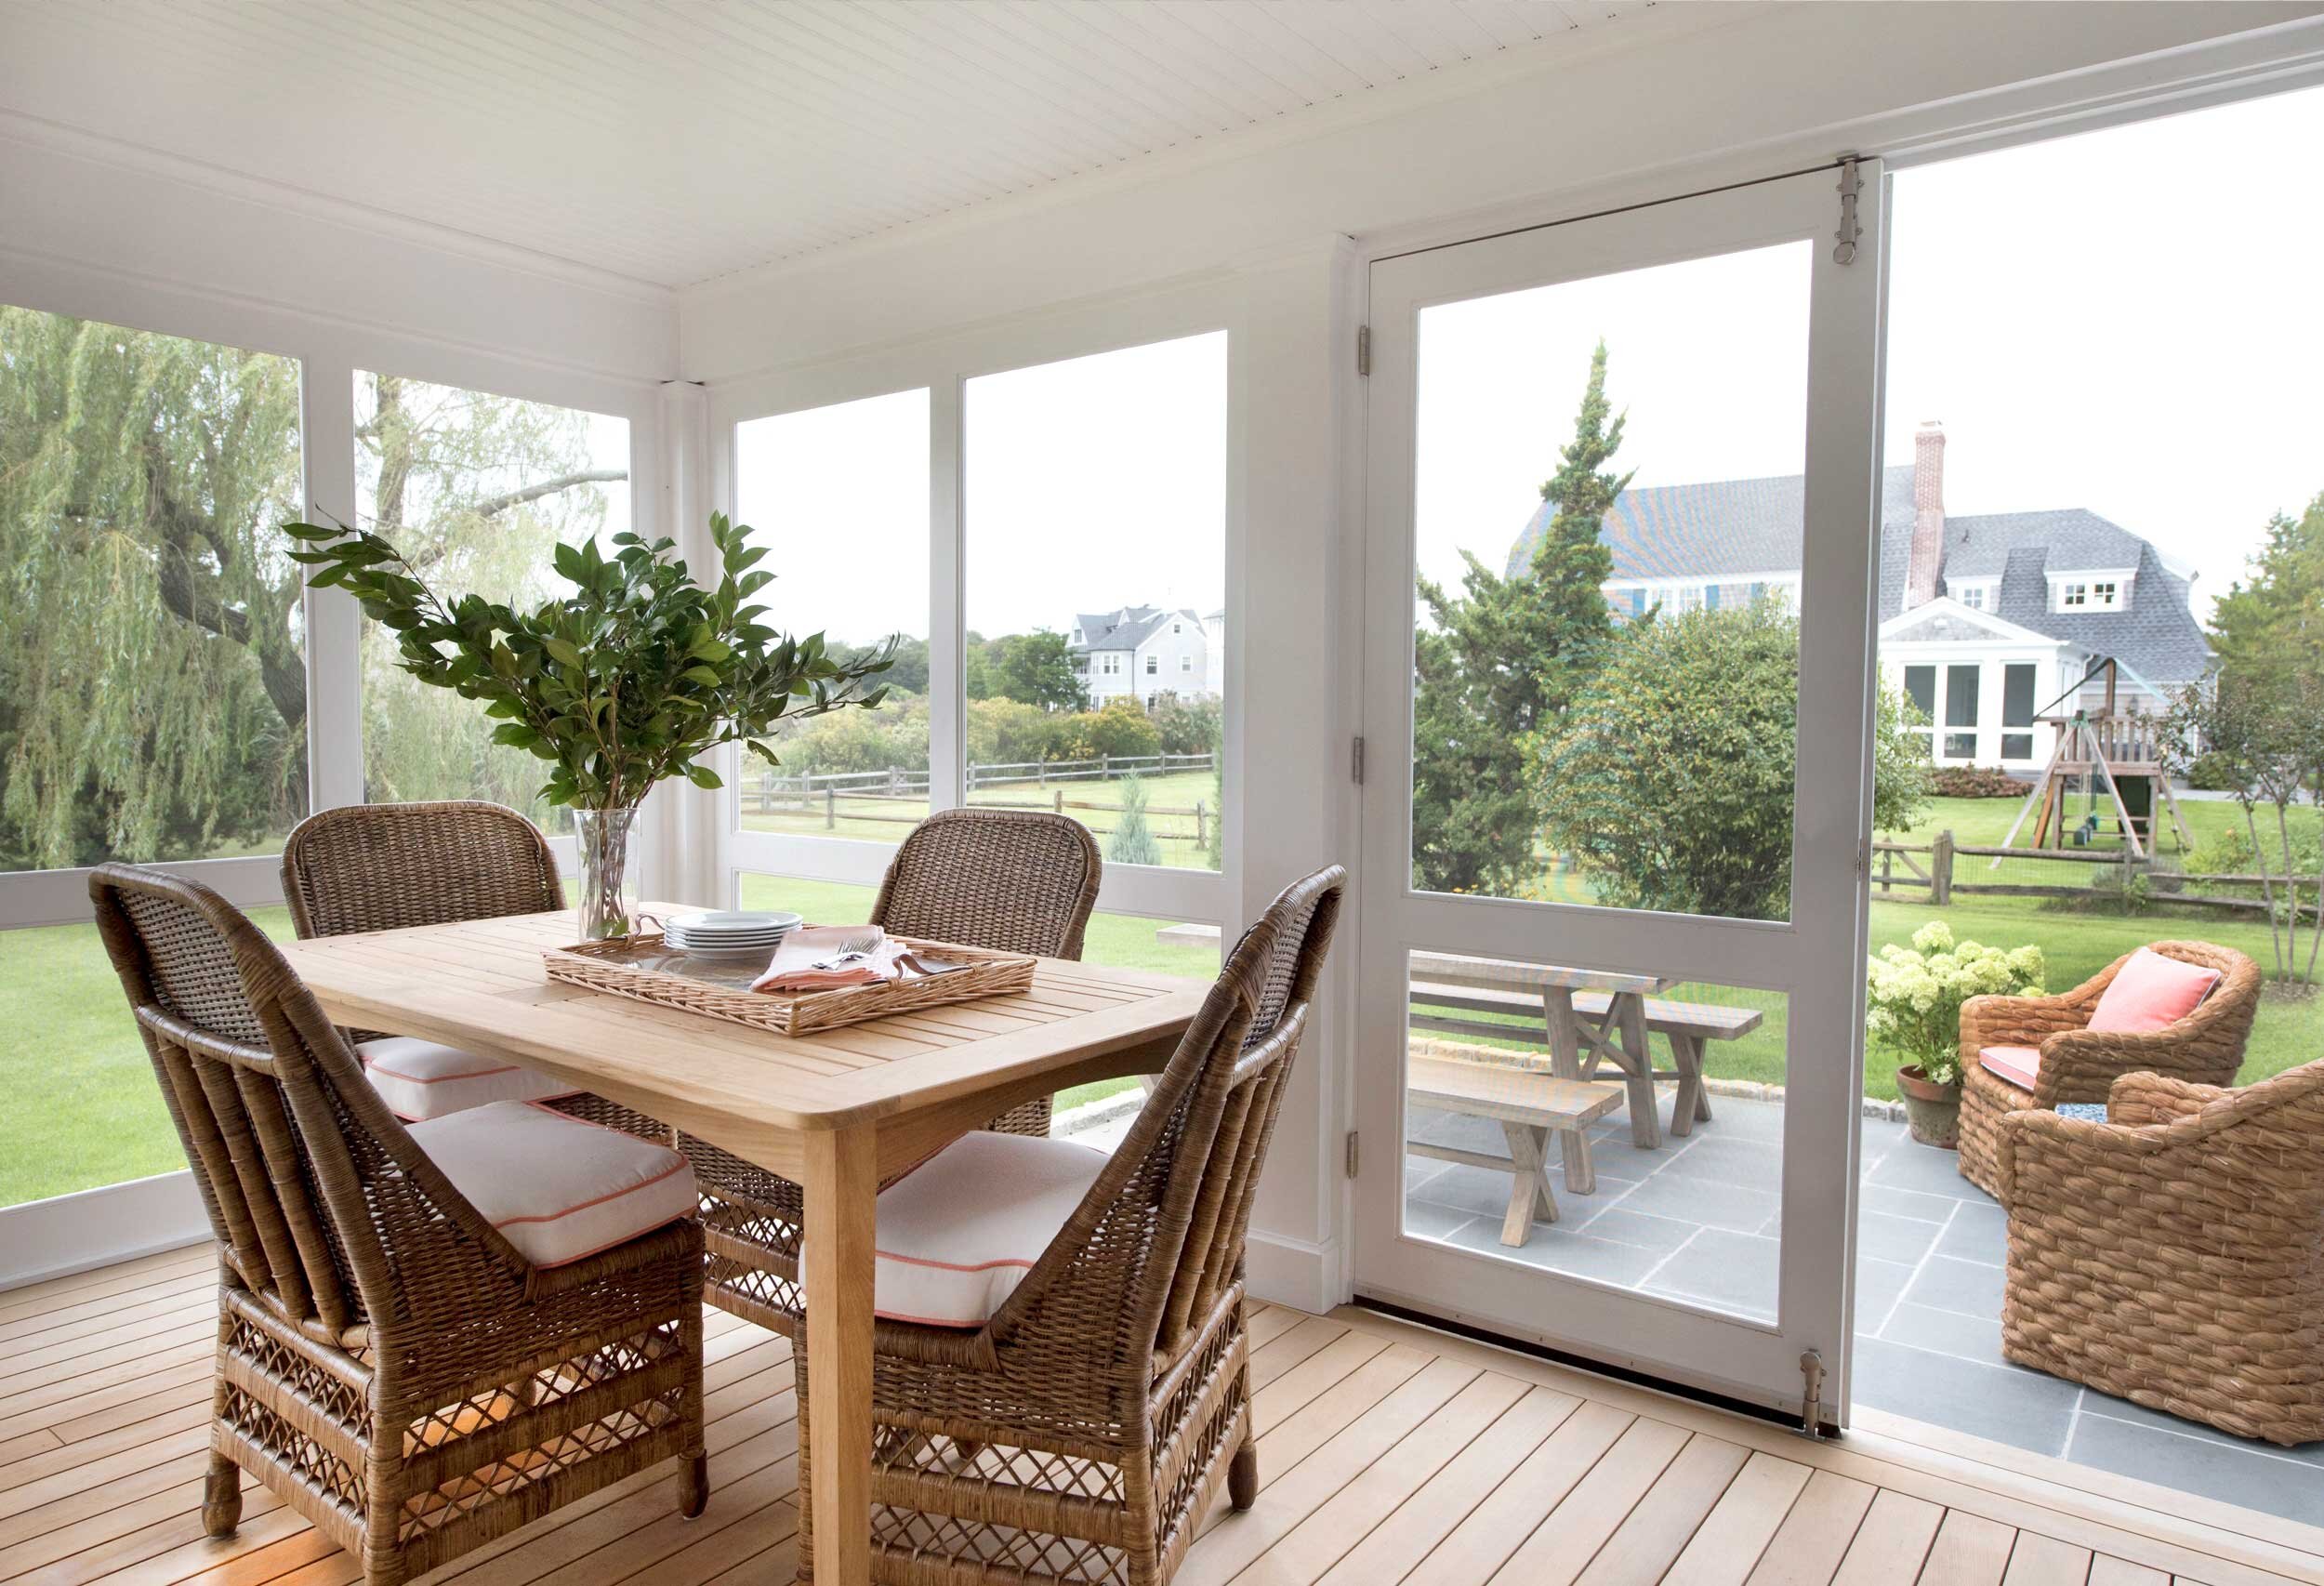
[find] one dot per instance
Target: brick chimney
(1927, 564)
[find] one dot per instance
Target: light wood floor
(1390, 1454)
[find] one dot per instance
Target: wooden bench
(1528, 1105)
(1687, 1025)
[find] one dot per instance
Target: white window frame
(1977, 594)
(2091, 589)
(945, 365)
(112, 1222)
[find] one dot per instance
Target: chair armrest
(2035, 1132)
(2019, 1021)
(2140, 1099)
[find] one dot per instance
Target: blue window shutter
(1710, 597)
(1638, 602)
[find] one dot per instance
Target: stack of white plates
(729, 935)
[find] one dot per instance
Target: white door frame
(1814, 959)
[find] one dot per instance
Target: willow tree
(476, 491)
(153, 700)
(153, 686)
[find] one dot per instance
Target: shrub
(2211, 772)
(1975, 782)
(1914, 994)
(1132, 843)
(1188, 726)
(1122, 729)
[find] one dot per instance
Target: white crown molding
(38, 132)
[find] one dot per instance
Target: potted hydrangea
(1914, 1010)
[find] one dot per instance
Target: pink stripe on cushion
(437, 1078)
(558, 1188)
(2151, 992)
(2018, 1064)
(678, 1167)
(949, 1266)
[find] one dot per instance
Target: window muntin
(838, 497)
(476, 490)
(1972, 596)
(1039, 445)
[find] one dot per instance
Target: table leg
(1528, 1190)
(1645, 1121)
(842, 1187)
(1690, 1106)
(1565, 1030)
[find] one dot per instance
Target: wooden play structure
(2103, 751)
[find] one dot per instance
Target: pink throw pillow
(2017, 1064)
(2152, 992)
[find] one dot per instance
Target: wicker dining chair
(2079, 1064)
(1082, 1431)
(388, 867)
(1012, 880)
(389, 1363)
(2173, 1255)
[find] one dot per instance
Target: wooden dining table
(836, 1111)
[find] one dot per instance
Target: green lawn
(886, 820)
(99, 1119)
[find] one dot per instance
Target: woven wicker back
(319, 1199)
(383, 867)
(1012, 880)
(1158, 1239)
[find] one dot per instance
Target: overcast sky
(2127, 319)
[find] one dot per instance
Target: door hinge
(1352, 1157)
(1355, 763)
(1364, 349)
(1811, 1394)
(1849, 230)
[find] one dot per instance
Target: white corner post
(682, 861)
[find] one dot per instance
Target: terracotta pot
(1932, 1111)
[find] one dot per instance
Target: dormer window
(1972, 596)
(2103, 591)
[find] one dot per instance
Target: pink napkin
(817, 958)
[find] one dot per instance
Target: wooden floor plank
(1347, 1517)
(1398, 1544)
(1892, 1543)
(1387, 1453)
(2107, 1570)
(1969, 1551)
(1663, 1523)
(1727, 1545)
(1815, 1536)
(1562, 1545)
(1481, 1543)
(1233, 1540)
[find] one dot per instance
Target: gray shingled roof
(1730, 528)
(1125, 629)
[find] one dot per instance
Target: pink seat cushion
(2151, 992)
(558, 1188)
(958, 1234)
(2018, 1064)
(422, 1079)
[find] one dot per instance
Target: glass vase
(609, 878)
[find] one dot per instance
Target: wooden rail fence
(1934, 868)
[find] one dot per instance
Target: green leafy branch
(627, 681)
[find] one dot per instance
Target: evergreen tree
(2269, 626)
(1501, 659)
(1132, 843)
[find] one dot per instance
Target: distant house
(1984, 620)
(1145, 650)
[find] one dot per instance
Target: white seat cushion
(420, 1079)
(958, 1234)
(558, 1187)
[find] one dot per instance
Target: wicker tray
(643, 968)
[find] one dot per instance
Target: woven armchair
(2080, 1064)
(390, 867)
(388, 1363)
(2173, 1255)
(1080, 1434)
(1012, 880)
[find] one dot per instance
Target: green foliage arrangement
(1133, 840)
(1913, 994)
(627, 682)
(1501, 660)
(1669, 779)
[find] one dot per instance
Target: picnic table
(1589, 1019)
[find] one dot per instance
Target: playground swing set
(2104, 749)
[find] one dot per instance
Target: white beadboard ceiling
(672, 141)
